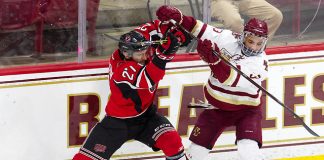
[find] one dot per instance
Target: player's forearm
(156, 69)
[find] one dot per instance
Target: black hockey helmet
(131, 42)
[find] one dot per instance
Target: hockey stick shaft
(201, 105)
(146, 43)
(253, 82)
(198, 106)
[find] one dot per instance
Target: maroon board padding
(104, 63)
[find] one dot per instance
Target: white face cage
(248, 51)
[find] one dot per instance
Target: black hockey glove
(167, 50)
(183, 37)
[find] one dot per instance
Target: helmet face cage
(131, 42)
(254, 27)
(248, 51)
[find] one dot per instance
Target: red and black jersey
(132, 85)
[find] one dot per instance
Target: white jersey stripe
(197, 28)
(231, 79)
(232, 98)
(252, 90)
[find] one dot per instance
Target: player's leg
(161, 135)
(249, 135)
(248, 150)
(170, 143)
(262, 10)
(104, 139)
(208, 128)
(197, 152)
(227, 12)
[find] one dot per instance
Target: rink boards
(49, 112)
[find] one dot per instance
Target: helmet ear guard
(254, 27)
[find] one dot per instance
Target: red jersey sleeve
(153, 31)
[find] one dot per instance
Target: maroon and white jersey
(225, 88)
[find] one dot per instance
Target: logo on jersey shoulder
(230, 56)
(236, 35)
(217, 30)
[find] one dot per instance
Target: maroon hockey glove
(165, 13)
(204, 49)
(167, 50)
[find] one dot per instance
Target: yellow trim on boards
(319, 157)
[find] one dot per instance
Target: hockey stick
(250, 80)
(202, 105)
(146, 43)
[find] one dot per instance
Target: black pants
(111, 133)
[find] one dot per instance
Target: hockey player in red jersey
(236, 101)
(134, 73)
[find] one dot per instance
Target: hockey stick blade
(201, 105)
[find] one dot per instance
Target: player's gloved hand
(165, 13)
(205, 51)
(167, 50)
(183, 37)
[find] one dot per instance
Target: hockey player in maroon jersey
(135, 71)
(236, 101)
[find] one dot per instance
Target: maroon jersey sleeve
(221, 71)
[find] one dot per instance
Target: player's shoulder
(229, 35)
(264, 56)
(257, 60)
(228, 41)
